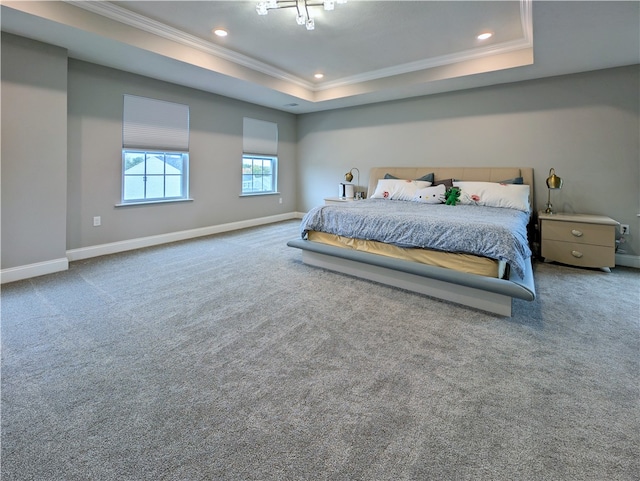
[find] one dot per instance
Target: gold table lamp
(349, 177)
(553, 182)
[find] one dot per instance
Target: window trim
(160, 127)
(184, 178)
(274, 183)
(150, 202)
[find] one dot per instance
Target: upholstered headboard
(481, 174)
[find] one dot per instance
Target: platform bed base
(487, 294)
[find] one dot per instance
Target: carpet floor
(226, 358)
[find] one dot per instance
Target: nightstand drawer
(583, 255)
(578, 232)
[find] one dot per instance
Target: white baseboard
(628, 260)
(56, 265)
(131, 244)
(19, 273)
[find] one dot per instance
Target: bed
(475, 253)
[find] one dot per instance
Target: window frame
(184, 176)
(274, 175)
(154, 127)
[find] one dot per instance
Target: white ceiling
(369, 51)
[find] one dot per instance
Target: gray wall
(34, 152)
(61, 148)
(215, 155)
(61, 157)
(586, 126)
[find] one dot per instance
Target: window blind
(154, 124)
(259, 137)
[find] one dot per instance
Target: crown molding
(526, 20)
(497, 49)
(127, 17)
(427, 64)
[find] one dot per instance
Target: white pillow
(493, 194)
(398, 189)
(431, 195)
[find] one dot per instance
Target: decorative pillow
(492, 194)
(430, 195)
(397, 189)
(448, 183)
(515, 180)
(425, 178)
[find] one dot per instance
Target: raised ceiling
(368, 51)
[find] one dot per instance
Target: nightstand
(581, 240)
(338, 200)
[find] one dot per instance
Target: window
(259, 158)
(154, 176)
(258, 174)
(155, 150)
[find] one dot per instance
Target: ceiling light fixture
(319, 76)
(484, 36)
(301, 6)
(220, 32)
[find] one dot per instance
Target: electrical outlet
(280, 200)
(624, 229)
(97, 221)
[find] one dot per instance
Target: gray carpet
(226, 358)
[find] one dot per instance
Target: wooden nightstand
(338, 200)
(578, 239)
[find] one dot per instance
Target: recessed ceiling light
(485, 35)
(220, 32)
(319, 76)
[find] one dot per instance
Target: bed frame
(485, 293)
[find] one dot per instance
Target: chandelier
(301, 6)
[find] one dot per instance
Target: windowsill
(164, 201)
(259, 194)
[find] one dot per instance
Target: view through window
(154, 175)
(258, 174)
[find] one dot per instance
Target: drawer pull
(576, 233)
(576, 254)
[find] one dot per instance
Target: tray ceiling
(368, 51)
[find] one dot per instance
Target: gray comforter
(497, 233)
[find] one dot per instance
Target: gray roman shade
(154, 124)
(259, 137)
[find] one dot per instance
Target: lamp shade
(553, 181)
(349, 175)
